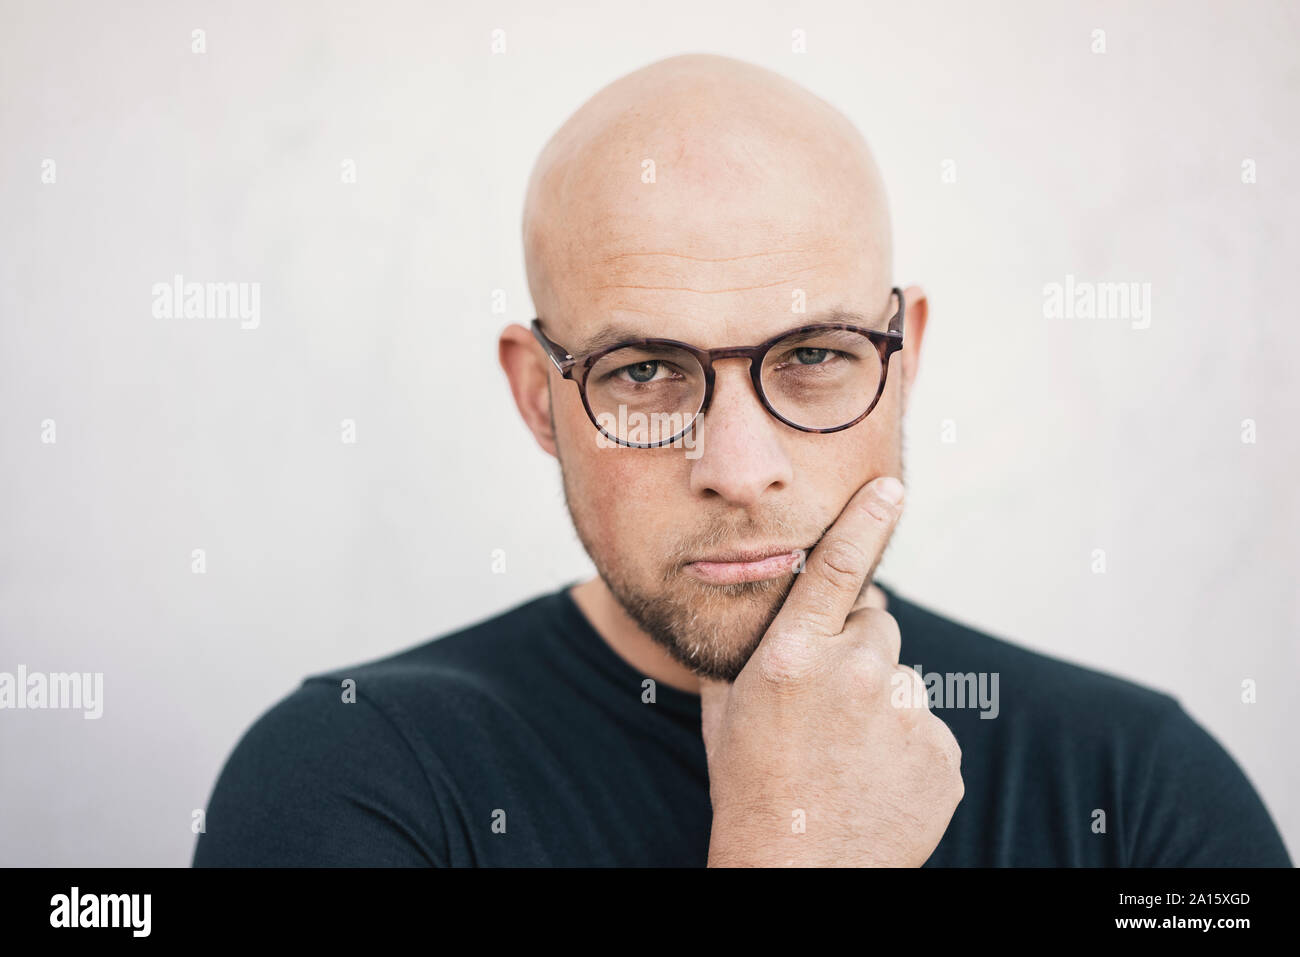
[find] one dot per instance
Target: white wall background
(376, 305)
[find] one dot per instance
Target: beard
(710, 629)
(714, 631)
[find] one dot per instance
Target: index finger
(827, 590)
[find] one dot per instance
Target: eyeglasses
(820, 378)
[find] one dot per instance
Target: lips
(745, 565)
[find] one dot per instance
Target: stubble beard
(713, 630)
(710, 629)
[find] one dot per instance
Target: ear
(917, 310)
(528, 370)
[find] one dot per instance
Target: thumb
(714, 696)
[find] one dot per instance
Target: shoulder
(320, 781)
(1196, 805)
(341, 769)
(1029, 683)
(1185, 800)
(487, 659)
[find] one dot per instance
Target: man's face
(715, 260)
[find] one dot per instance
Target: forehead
(619, 332)
(712, 253)
(715, 294)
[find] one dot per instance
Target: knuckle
(954, 758)
(945, 747)
(908, 694)
(871, 617)
(781, 663)
(844, 562)
(867, 668)
(818, 615)
(954, 785)
(883, 627)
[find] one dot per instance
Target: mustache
(774, 528)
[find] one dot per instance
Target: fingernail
(890, 489)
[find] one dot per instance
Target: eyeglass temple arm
(561, 359)
(896, 322)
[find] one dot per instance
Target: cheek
(625, 498)
(831, 468)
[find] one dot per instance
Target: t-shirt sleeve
(317, 781)
(1198, 809)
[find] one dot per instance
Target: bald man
(720, 365)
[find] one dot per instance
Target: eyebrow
(615, 334)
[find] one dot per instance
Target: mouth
(745, 565)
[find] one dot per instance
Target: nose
(740, 451)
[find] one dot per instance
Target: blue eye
(811, 357)
(642, 371)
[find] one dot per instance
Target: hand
(812, 762)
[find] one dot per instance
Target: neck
(629, 642)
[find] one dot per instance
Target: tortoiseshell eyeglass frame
(577, 368)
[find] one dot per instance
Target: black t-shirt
(526, 740)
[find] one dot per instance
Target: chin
(712, 629)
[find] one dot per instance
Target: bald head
(694, 179)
